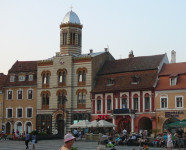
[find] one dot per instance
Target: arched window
(99, 103)
(62, 77)
(81, 76)
(79, 39)
(135, 101)
(61, 100)
(147, 101)
(45, 79)
(72, 38)
(109, 105)
(45, 100)
(81, 98)
(64, 38)
(124, 101)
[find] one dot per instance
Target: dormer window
(110, 81)
(12, 78)
(135, 80)
(30, 77)
(21, 78)
(173, 81)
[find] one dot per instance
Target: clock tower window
(72, 38)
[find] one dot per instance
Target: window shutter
(80, 78)
(45, 80)
(61, 79)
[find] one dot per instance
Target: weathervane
(71, 7)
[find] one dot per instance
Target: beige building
(170, 95)
(2, 80)
(20, 90)
(65, 80)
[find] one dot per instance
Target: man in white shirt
(75, 133)
(124, 132)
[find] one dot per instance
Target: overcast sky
(29, 29)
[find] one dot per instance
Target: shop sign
(173, 114)
(102, 117)
(125, 121)
(79, 112)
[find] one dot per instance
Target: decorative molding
(45, 72)
(45, 92)
(61, 91)
(81, 91)
(62, 70)
(71, 25)
(81, 69)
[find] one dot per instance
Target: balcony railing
(123, 111)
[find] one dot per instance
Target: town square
(79, 74)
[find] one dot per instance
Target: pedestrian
(27, 140)
(124, 132)
(33, 140)
(69, 141)
(180, 137)
(184, 140)
(3, 134)
(12, 132)
(79, 133)
(75, 133)
(169, 140)
(56, 131)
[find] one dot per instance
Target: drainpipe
(3, 105)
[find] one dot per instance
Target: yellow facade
(27, 122)
(173, 112)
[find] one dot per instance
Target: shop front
(166, 117)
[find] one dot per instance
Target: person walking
(3, 134)
(180, 137)
(169, 140)
(27, 140)
(79, 133)
(69, 141)
(33, 140)
(75, 133)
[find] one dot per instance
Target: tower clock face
(62, 61)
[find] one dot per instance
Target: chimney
(106, 49)
(91, 51)
(173, 56)
(131, 55)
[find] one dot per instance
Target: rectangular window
(147, 103)
(109, 104)
(135, 103)
(21, 78)
(20, 94)
(72, 38)
(29, 112)
(30, 94)
(179, 102)
(19, 113)
(9, 95)
(172, 82)
(163, 102)
(11, 78)
(64, 38)
(30, 77)
(9, 113)
(99, 105)
(124, 103)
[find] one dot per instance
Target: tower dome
(71, 17)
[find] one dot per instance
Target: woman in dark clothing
(27, 139)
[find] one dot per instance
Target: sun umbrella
(178, 124)
(81, 124)
(101, 123)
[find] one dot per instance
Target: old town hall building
(65, 80)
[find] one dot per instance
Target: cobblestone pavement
(56, 144)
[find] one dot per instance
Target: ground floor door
(60, 124)
(7, 127)
(145, 123)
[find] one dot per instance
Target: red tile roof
(123, 81)
(132, 64)
(22, 67)
(2, 80)
(172, 70)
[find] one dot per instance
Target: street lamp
(64, 100)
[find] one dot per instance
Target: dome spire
(71, 7)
